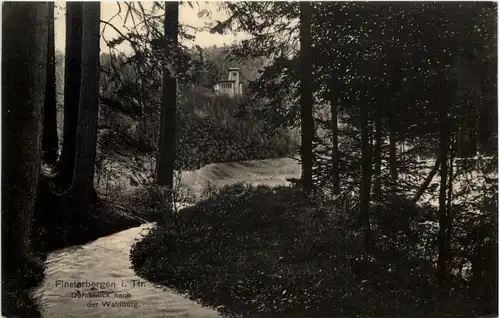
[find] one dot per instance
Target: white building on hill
(232, 86)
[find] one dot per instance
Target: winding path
(106, 260)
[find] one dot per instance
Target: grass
(274, 252)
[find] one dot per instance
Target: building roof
(234, 69)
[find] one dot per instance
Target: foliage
(295, 256)
(19, 303)
(381, 51)
(401, 62)
(223, 132)
(210, 128)
(389, 68)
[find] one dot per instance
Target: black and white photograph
(235, 159)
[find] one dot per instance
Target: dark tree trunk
(449, 198)
(377, 156)
(366, 166)
(393, 128)
(451, 156)
(334, 127)
(443, 244)
(86, 133)
(24, 49)
(484, 269)
(72, 77)
(50, 140)
(393, 162)
(306, 95)
(427, 181)
(166, 149)
(487, 130)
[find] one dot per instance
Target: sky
(187, 16)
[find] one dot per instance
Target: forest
(356, 176)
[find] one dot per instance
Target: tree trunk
(449, 213)
(443, 258)
(393, 128)
(72, 77)
(366, 165)
(166, 149)
(451, 156)
(24, 49)
(306, 95)
(393, 162)
(335, 140)
(50, 140)
(427, 180)
(86, 131)
(377, 157)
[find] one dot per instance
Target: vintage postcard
(249, 159)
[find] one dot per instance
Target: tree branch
(427, 180)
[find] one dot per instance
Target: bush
(269, 251)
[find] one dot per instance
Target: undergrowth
(276, 252)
